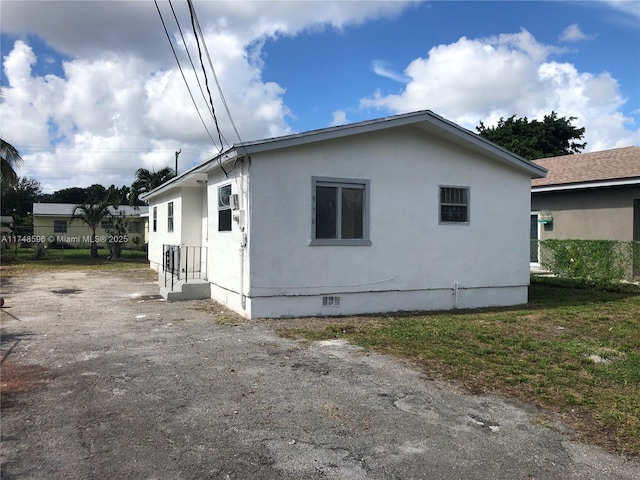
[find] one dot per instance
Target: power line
(166, 31)
(215, 76)
(106, 149)
(206, 79)
(184, 41)
(201, 45)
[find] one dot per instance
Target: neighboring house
(54, 222)
(410, 212)
(588, 196)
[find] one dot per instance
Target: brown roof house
(588, 196)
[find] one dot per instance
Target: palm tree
(92, 215)
(147, 180)
(11, 159)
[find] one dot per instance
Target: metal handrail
(181, 262)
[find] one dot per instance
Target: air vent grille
(330, 301)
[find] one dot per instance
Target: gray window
(155, 219)
(106, 225)
(170, 217)
(454, 205)
(224, 208)
(340, 211)
(59, 226)
(135, 227)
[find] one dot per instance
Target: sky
(92, 91)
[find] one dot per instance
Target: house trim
(579, 186)
(366, 240)
(424, 119)
(467, 188)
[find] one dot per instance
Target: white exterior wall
(190, 218)
(189, 208)
(162, 236)
(413, 262)
(228, 261)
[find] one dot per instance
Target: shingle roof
(66, 209)
(617, 164)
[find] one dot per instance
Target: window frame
(467, 205)
(61, 226)
(135, 226)
(170, 217)
(155, 219)
(222, 209)
(363, 184)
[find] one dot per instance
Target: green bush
(602, 261)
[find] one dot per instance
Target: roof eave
(223, 158)
(497, 152)
(367, 126)
(585, 185)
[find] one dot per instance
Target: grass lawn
(573, 350)
(68, 259)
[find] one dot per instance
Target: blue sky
(93, 86)
(341, 62)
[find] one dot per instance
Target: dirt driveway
(107, 381)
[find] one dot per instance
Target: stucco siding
(266, 259)
(392, 301)
(590, 214)
(227, 259)
(410, 250)
(191, 213)
(162, 236)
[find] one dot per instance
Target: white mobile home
(410, 212)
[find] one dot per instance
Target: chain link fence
(595, 260)
(68, 238)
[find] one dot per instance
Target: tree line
(20, 193)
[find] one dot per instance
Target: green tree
(117, 233)
(552, 137)
(74, 195)
(92, 214)
(18, 199)
(94, 193)
(91, 194)
(119, 195)
(10, 160)
(146, 181)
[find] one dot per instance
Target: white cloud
(572, 34)
(629, 7)
(382, 68)
(121, 102)
(339, 118)
(475, 80)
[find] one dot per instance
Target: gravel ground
(102, 379)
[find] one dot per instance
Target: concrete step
(193, 289)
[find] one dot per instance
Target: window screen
(454, 205)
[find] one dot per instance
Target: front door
(534, 236)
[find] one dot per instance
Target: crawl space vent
(330, 301)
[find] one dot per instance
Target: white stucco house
(409, 212)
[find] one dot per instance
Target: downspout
(242, 222)
(455, 289)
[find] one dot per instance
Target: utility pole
(177, 153)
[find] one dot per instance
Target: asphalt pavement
(105, 380)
